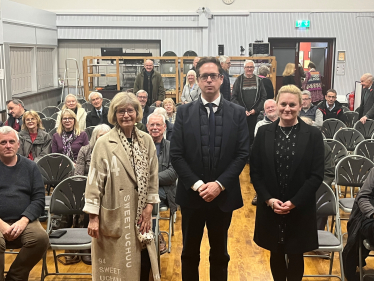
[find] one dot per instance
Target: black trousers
(251, 123)
(193, 223)
(292, 270)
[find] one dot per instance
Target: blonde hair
(289, 69)
(71, 96)
(124, 99)
(193, 73)
(35, 115)
(71, 113)
(169, 100)
(289, 89)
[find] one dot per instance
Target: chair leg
(44, 267)
(170, 230)
(55, 259)
(341, 266)
(331, 262)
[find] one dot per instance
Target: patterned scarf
(138, 155)
(67, 140)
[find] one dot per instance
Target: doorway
(301, 51)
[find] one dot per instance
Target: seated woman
(71, 102)
(34, 142)
(170, 108)
(191, 90)
(84, 155)
(69, 139)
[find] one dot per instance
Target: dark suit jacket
(92, 119)
(306, 176)
(147, 111)
(367, 108)
(186, 155)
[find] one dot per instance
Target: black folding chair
(350, 118)
(331, 126)
(50, 110)
(48, 124)
(349, 137)
(89, 131)
(367, 129)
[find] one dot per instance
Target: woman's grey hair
(124, 99)
(156, 114)
(263, 70)
(141, 91)
(223, 59)
(306, 92)
(94, 93)
(191, 72)
(98, 129)
(6, 130)
(161, 111)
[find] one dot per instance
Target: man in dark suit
(147, 110)
(367, 98)
(99, 114)
(209, 149)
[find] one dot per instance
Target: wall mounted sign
(341, 56)
(302, 23)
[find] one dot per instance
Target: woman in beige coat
(71, 102)
(122, 185)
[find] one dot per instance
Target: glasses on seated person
(67, 119)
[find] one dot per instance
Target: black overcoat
(306, 176)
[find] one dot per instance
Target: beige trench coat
(111, 194)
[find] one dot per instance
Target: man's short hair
(141, 91)
(331, 91)
(16, 102)
(249, 61)
(149, 60)
(6, 130)
(311, 65)
(306, 92)
(369, 76)
(94, 93)
(161, 111)
(156, 114)
(268, 100)
(205, 60)
(223, 59)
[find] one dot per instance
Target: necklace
(287, 135)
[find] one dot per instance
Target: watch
(228, 2)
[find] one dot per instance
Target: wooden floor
(248, 261)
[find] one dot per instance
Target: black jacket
(306, 176)
(225, 86)
(237, 94)
(92, 119)
(186, 155)
(367, 108)
(268, 88)
(146, 112)
(336, 112)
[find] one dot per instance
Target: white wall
(127, 6)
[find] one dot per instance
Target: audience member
(309, 110)
(143, 97)
(169, 126)
(84, 155)
(301, 73)
(360, 226)
(287, 168)
(34, 141)
(119, 196)
(289, 75)
(22, 196)
(209, 149)
(263, 72)
(191, 90)
(170, 108)
(99, 114)
(330, 107)
(194, 63)
(313, 83)
(249, 92)
(71, 102)
(367, 98)
(166, 174)
(150, 81)
(69, 138)
(225, 86)
(15, 111)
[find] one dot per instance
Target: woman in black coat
(287, 165)
(289, 75)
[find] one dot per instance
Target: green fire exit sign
(302, 23)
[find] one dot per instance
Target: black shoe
(254, 201)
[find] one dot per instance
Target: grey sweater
(21, 190)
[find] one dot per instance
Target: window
(21, 62)
(44, 67)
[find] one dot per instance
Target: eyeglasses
(249, 67)
(122, 112)
(140, 97)
(213, 76)
(67, 119)
(30, 120)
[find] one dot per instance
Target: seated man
(166, 174)
(143, 98)
(361, 222)
(309, 110)
(99, 114)
(169, 126)
(16, 109)
(330, 107)
(22, 202)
